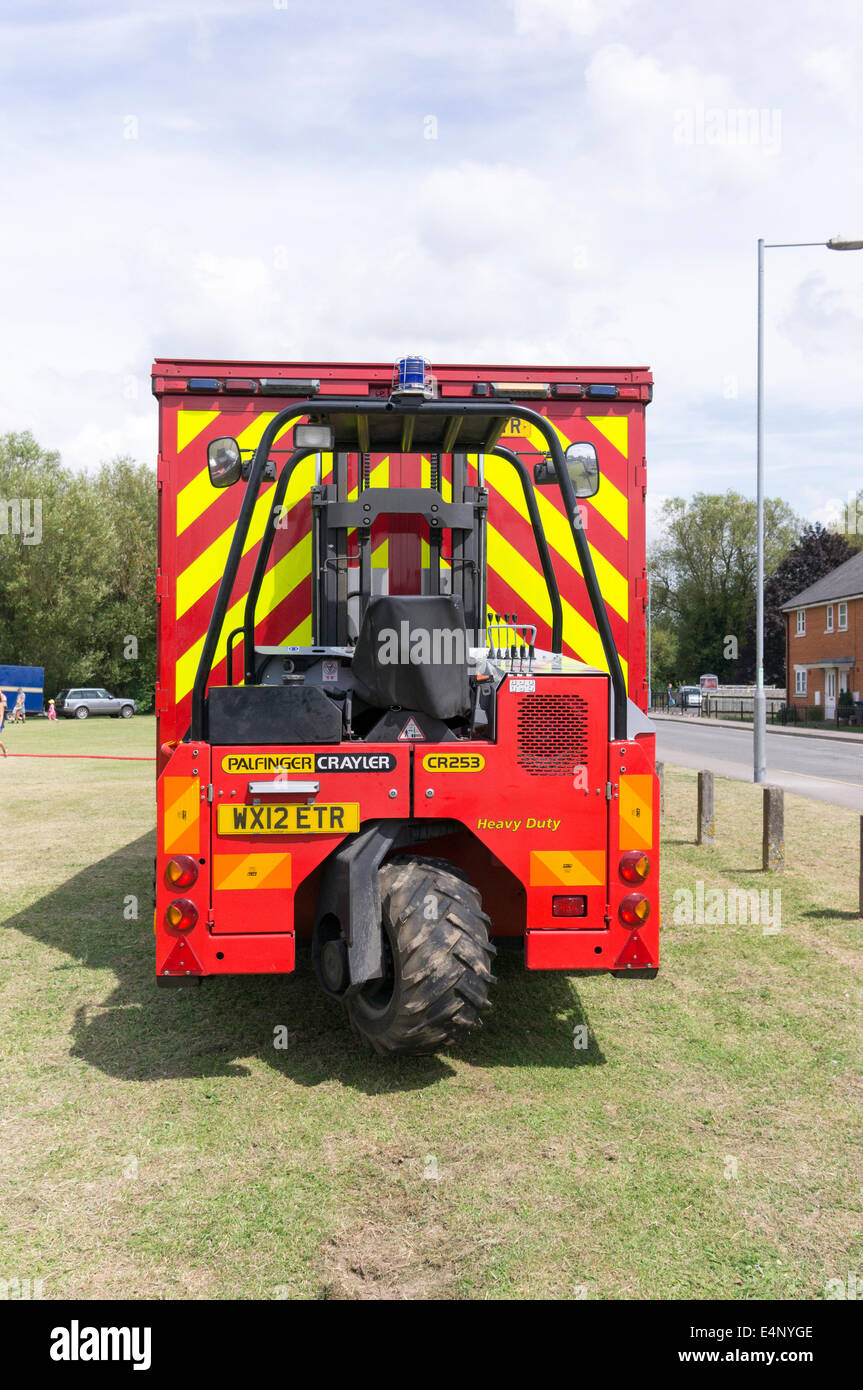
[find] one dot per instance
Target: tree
(664, 655)
(124, 621)
(816, 552)
(704, 568)
(81, 579)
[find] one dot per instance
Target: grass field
(708, 1142)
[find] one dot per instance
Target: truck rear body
(534, 796)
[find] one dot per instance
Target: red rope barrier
(110, 757)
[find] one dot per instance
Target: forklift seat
(412, 651)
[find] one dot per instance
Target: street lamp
(759, 721)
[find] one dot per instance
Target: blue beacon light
(413, 375)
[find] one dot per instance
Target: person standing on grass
(52, 713)
(18, 714)
(3, 719)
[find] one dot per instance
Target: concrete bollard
(706, 814)
(773, 838)
(660, 772)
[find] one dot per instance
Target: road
(821, 768)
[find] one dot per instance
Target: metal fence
(717, 706)
(740, 708)
(844, 716)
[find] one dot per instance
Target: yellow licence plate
(293, 818)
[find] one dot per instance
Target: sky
(524, 181)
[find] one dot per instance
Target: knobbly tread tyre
(441, 968)
(429, 859)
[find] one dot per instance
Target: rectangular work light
(314, 437)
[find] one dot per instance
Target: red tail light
(634, 910)
(634, 866)
(571, 905)
(181, 914)
(181, 872)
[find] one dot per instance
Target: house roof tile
(845, 580)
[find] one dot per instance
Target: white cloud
(832, 68)
(690, 129)
(281, 201)
(576, 18)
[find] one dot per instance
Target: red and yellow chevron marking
(636, 811)
(527, 584)
(608, 501)
(182, 815)
(233, 871)
(276, 585)
(207, 568)
(379, 477)
(500, 476)
(199, 494)
(515, 577)
(583, 868)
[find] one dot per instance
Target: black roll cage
(321, 408)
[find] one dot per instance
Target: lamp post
(759, 721)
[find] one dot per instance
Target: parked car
(689, 697)
(81, 703)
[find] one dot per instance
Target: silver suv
(80, 704)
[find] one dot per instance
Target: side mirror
(224, 462)
(583, 467)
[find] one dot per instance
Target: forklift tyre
(437, 953)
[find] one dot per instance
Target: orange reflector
(634, 910)
(181, 914)
(634, 866)
(181, 871)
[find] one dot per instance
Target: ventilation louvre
(552, 734)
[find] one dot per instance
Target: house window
(801, 622)
(829, 627)
(843, 616)
(799, 682)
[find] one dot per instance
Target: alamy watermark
(22, 516)
(846, 517)
(16, 1288)
(729, 907)
(732, 126)
(77, 1343)
(420, 646)
(851, 1287)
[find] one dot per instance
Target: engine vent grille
(552, 734)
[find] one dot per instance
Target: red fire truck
(401, 680)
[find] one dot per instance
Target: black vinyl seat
(412, 651)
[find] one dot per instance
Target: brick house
(824, 638)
